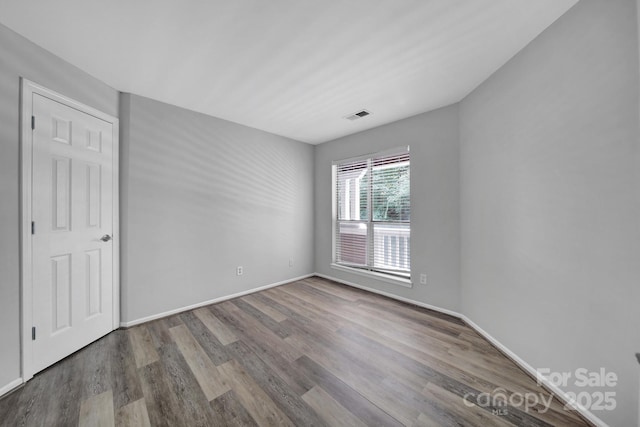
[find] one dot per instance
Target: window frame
(368, 270)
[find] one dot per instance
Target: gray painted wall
(550, 208)
(21, 58)
(435, 203)
(200, 196)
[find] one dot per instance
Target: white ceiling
(291, 67)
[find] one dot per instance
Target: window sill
(374, 275)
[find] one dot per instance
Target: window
(372, 209)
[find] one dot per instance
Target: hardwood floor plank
(557, 415)
(312, 287)
(443, 363)
(266, 309)
(360, 295)
(284, 396)
(478, 342)
(204, 370)
(159, 331)
(333, 413)
(162, 405)
(33, 400)
(427, 421)
(269, 367)
(96, 378)
(229, 411)
(250, 328)
(310, 293)
(357, 374)
(373, 322)
(143, 347)
(347, 396)
(404, 324)
(280, 329)
(191, 401)
(462, 370)
(493, 365)
(399, 365)
(398, 400)
(364, 378)
(308, 353)
(276, 302)
(52, 397)
(449, 409)
(304, 312)
(262, 409)
(433, 357)
(342, 291)
(438, 322)
(209, 343)
(416, 317)
(63, 405)
(217, 328)
(125, 382)
(271, 356)
(9, 407)
(360, 353)
(173, 320)
(97, 411)
(133, 414)
(512, 415)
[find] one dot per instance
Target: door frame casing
(27, 90)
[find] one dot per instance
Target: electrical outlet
(423, 279)
(290, 262)
(239, 270)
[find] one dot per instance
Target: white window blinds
(372, 219)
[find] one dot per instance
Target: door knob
(105, 238)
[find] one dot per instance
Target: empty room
(320, 213)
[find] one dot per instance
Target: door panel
(72, 208)
(61, 292)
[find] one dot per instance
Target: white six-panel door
(72, 246)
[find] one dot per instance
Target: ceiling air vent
(358, 115)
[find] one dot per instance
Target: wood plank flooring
(309, 353)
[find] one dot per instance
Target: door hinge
(33, 227)
(33, 122)
(33, 333)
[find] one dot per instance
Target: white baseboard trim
(510, 354)
(554, 389)
(13, 384)
(392, 296)
(209, 302)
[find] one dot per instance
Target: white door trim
(27, 90)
